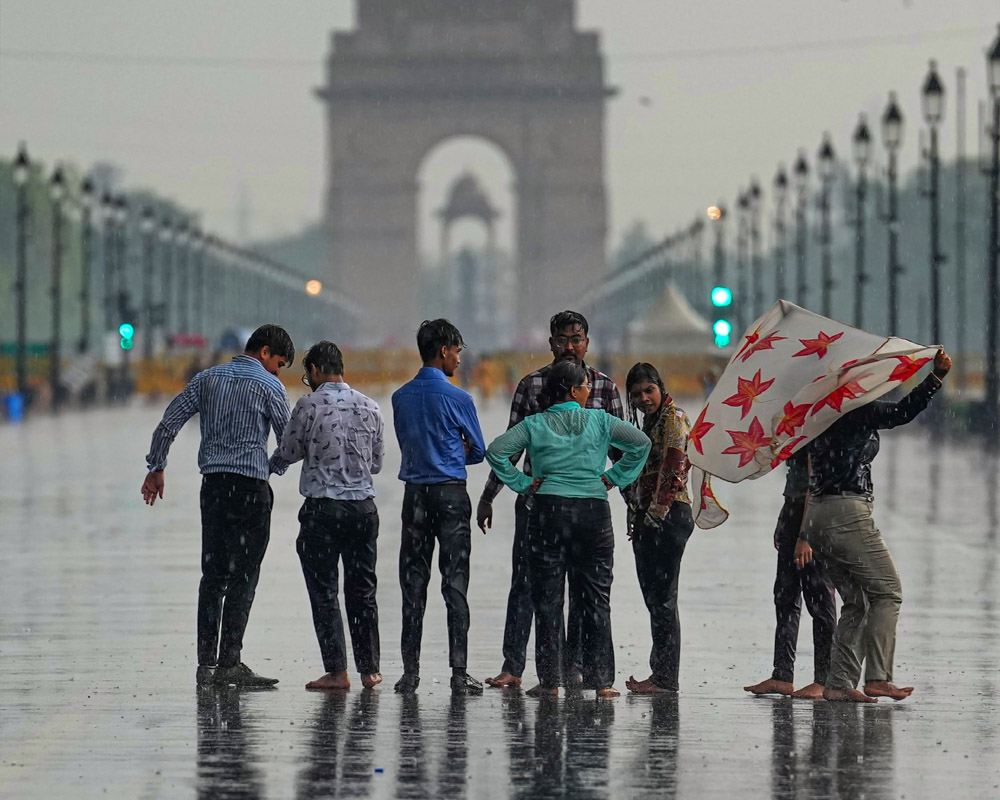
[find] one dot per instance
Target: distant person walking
(792, 583)
(838, 525)
(338, 434)
(569, 526)
(569, 340)
(239, 403)
(660, 521)
(439, 434)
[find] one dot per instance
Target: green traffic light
(126, 331)
(722, 329)
(126, 344)
(722, 296)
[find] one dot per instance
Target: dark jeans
(658, 553)
(331, 530)
(432, 512)
(235, 528)
(519, 610)
(790, 586)
(572, 537)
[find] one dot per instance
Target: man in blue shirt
(239, 404)
(438, 433)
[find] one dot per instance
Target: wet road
(97, 618)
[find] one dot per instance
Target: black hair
(326, 357)
(561, 377)
(435, 334)
(641, 372)
(564, 319)
(275, 338)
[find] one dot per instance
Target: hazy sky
(219, 94)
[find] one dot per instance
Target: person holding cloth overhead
(569, 525)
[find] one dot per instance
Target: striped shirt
(338, 434)
(238, 404)
(603, 394)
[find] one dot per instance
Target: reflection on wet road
(97, 614)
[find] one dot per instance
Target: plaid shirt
(603, 394)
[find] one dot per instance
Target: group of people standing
(567, 418)
(568, 421)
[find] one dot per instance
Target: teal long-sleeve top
(568, 446)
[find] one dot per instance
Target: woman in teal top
(569, 527)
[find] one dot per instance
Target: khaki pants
(853, 556)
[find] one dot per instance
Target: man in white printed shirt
(337, 433)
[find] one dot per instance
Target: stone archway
(416, 72)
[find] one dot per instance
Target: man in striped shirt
(569, 341)
(239, 403)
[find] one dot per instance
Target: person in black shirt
(851, 552)
(791, 585)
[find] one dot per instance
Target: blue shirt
(434, 420)
(337, 434)
(239, 403)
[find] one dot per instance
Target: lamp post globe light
(800, 179)
(57, 190)
(862, 145)
(754, 196)
(932, 102)
(780, 199)
(22, 172)
(993, 299)
(892, 139)
(825, 162)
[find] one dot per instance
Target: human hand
(607, 482)
(942, 364)
(484, 515)
(803, 553)
(152, 487)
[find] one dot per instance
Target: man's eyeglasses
(305, 380)
(562, 341)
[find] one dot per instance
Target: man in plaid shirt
(568, 341)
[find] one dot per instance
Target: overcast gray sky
(711, 92)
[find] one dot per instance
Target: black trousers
(790, 586)
(658, 553)
(235, 528)
(572, 537)
(517, 628)
(331, 530)
(437, 512)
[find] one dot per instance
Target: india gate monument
(415, 73)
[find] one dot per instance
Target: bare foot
(332, 680)
(504, 679)
(770, 686)
(886, 689)
(608, 692)
(644, 687)
(814, 691)
(847, 696)
(371, 681)
(542, 691)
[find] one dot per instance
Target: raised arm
(499, 453)
(634, 445)
(884, 414)
(518, 411)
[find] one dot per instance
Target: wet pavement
(97, 622)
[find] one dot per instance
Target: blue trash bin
(13, 407)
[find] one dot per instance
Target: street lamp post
(22, 171)
(825, 163)
(932, 96)
(198, 279)
(892, 138)
(124, 300)
(183, 278)
(86, 257)
(992, 379)
(780, 198)
(110, 227)
(719, 249)
(742, 208)
(166, 278)
(148, 226)
(755, 268)
(57, 188)
(801, 173)
(862, 142)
